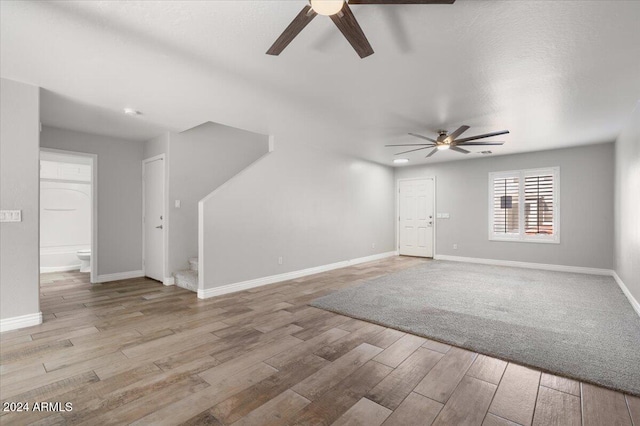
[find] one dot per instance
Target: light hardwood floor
(138, 352)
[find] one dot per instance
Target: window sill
(526, 240)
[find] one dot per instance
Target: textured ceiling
(61, 111)
(556, 73)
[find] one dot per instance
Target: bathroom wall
(119, 197)
(65, 210)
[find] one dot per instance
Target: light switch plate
(177, 204)
(10, 215)
(439, 215)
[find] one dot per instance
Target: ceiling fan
(341, 15)
(450, 141)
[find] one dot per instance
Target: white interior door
(153, 178)
(416, 217)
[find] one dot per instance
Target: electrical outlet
(373, 245)
(177, 204)
(455, 247)
(280, 260)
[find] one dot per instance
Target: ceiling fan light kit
(327, 7)
(342, 16)
(450, 141)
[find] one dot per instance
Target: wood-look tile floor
(138, 352)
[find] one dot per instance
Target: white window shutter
(524, 205)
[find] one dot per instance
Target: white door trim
(165, 222)
(94, 207)
(397, 219)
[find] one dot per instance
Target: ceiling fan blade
(413, 144)
(452, 136)
(455, 148)
(299, 22)
(478, 143)
(401, 1)
(423, 137)
(412, 150)
(432, 152)
(350, 29)
(486, 135)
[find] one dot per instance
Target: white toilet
(85, 260)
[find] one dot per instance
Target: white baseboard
(22, 321)
(169, 281)
(47, 269)
(529, 265)
(245, 285)
(625, 290)
(119, 276)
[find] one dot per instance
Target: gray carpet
(574, 325)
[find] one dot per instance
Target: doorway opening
(68, 217)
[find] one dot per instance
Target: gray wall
(586, 206)
(627, 205)
(156, 146)
(201, 159)
(119, 194)
(19, 190)
(311, 207)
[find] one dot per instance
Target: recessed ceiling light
(400, 160)
(131, 111)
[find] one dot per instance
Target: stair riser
(187, 279)
(193, 264)
(187, 286)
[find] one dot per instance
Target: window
(523, 205)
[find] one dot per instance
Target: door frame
(93, 276)
(433, 242)
(165, 221)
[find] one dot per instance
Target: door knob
(159, 227)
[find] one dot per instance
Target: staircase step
(193, 263)
(187, 279)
